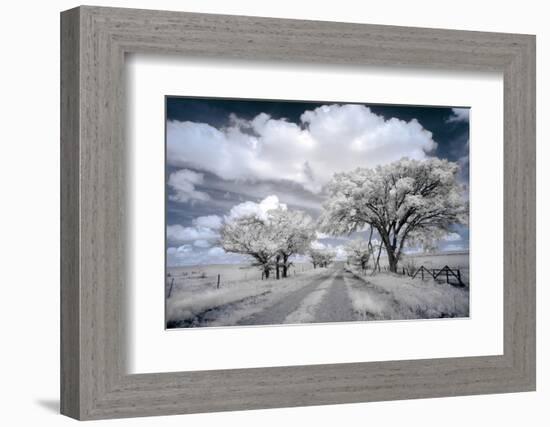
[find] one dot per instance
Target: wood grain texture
(94, 272)
(70, 296)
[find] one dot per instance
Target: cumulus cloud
(459, 115)
(183, 183)
(259, 210)
(201, 243)
(214, 222)
(178, 233)
(329, 139)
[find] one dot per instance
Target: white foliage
(406, 201)
(295, 231)
(358, 252)
(267, 235)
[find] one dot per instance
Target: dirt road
(325, 299)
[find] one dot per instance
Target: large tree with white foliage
(405, 201)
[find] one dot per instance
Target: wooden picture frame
(94, 41)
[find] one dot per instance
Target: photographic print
(295, 212)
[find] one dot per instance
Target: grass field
(308, 295)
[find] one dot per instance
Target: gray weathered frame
(94, 42)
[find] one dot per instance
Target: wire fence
(452, 276)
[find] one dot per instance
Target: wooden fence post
(218, 285)
(171, 287)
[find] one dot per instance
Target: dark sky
(451, 136)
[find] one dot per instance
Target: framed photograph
(275, 213)
(286, 212)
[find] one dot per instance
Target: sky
(230, 157)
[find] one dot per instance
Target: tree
(359, 252)
(252, 236)
(271, 240)
(321, 258)
(293, 232)
(408, 200)
(328, 258)
(316, 256)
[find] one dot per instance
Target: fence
(447, 272)
(212, 277)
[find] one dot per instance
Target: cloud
(257, 209)
(214, 222)
(178, 234)
(183, 249)
(201, 243)
(317, 245)
(339, 250)
(340, 253)
(183, 183)
(186, 255)
(459, 115)
(216, 252)
(205, 229)
(329, 139)
(452, 237)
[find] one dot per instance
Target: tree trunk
(390, 250)
(377, 263)
(392, 260)
(266, 272)
(285, 266)
(277, 259)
